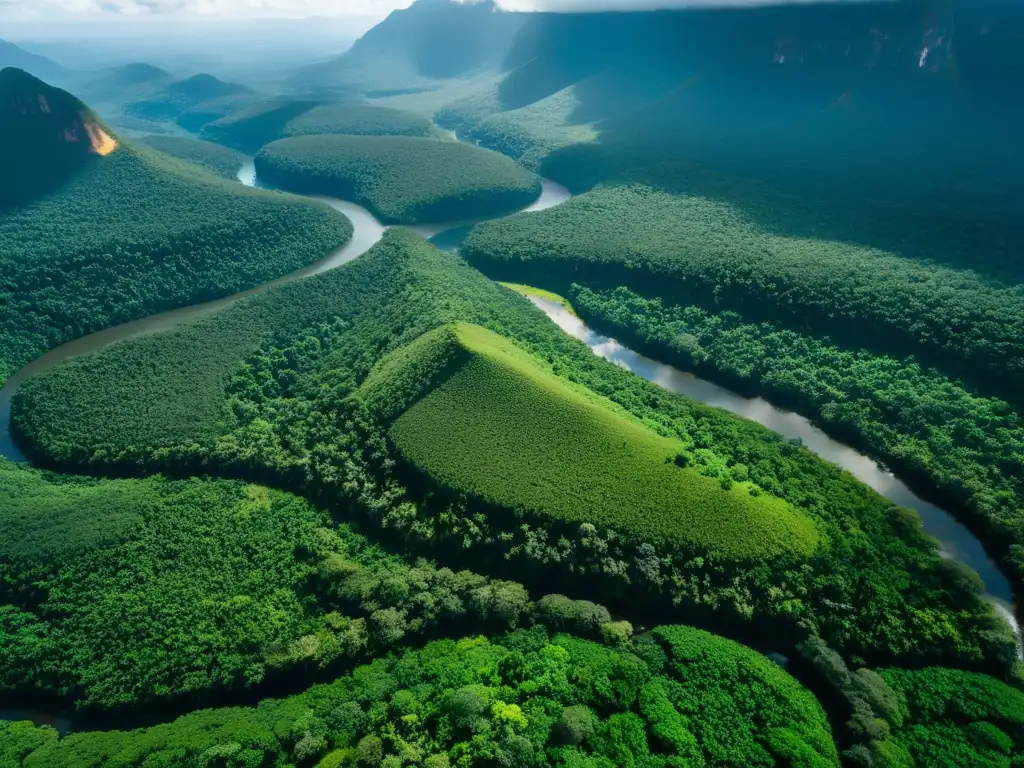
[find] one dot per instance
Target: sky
(31, 10)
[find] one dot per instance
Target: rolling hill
(121, 84)
(40, 66)
(490, 421)
(180, 96)
(852, 100)
(95, 231)
(251, 129)
(402, 179)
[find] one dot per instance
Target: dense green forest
(392, 515)
(226, 586)
(694, 249)
(407, 180)
(196, 117)
(928, 426)
(253, 128)
(488, 420)
(134, 233)
(216, 159)
(679, 697)
(949, 717)
(265, 391)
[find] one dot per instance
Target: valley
(287, 480)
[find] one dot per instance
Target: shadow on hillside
(250, 131)
(27, 179)
(955, 204)
(815, 122)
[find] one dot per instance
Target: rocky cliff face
(46, 135)
(36, 118)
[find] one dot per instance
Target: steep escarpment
(46, 135)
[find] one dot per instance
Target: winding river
(958, 543)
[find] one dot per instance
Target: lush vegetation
(265, 390)
(694, 249)
(205, 112)
(499, 427)
(931, 428)
(682, 697)
(224, 585)
(134, 233)
(401, 179)
(950, 717)
(212, 157)
(265, 122)
(207, 575)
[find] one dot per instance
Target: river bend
(957, 542)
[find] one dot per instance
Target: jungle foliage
(135, 233)
(224, 585)
(950, 717)
(681, 697)
(698, 249)
(265, 390)
(937, 430)
(251, 129)
(509, 433)
(219, 160)
(401, 179)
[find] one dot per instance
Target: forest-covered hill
(217, 159)
(95, 232)
(268, 389)
(402, 179)
(251, 129)
(40, 66)
(177, 97)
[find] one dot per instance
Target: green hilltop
(499, 427)
(402, 179)
(180, 96)
(251, 129)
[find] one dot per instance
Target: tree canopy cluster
(936, 430)
(694, 249)
(401, 179)
(252, 128)
(268, 390)
(224, 586)
(681, 697)
(214, 158)
(135, 233)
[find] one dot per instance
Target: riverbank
(957, 541)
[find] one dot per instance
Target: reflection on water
(958, 543)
